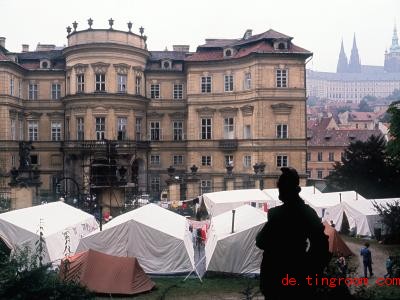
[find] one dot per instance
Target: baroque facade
(108, 117)
(353, 81)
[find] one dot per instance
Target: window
(55, 130)
(33, 130)
(100, 82)
(155, 131)
(228, 159)
(55, 91)
(228, 83)
(229, 130)
(205, 186)
(247, 132)
(11, 86)
(206, 84)
(206, 128)
(155, 159)
(19, 88)
(308, 172)
(281, 78)
(178, 130)
(281, 131)
(155, 185)
(34, 159)
(331, 156)
(138, 85)
(138, 128)
(21, 130)
(121, 81)
(319, 156)
(80, 129)
(319, 174)
(178, 91)
(247, 161)
(365, 126)
(178, 160)
(33, 91)
(67, 132)
(80, 80)
(281, 161)
(155, 91)
(121, 128)
(100, 128)
(247, 81)
(13, 161)
(13, 130)
(206, 160)
(308, 156)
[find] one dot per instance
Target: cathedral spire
(395, 39)
(354, 63)
(342, 62)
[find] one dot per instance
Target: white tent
(158, 238)
(235, 252)
(62, 227)
(220, 202)
(306, 191)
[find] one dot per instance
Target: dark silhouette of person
(294, 244)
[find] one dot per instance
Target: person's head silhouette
(288, 185)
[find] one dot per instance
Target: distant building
(353, 81)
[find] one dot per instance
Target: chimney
(3, 42)
(181, 48)
(25, 48)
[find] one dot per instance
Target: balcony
(228, 144)
(94, 145)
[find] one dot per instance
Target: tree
(394, 131)
(365, 169)
(390, 214)
(363, 106)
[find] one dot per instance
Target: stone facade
(105, 102)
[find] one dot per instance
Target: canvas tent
(336, 244)
(62, 227)
(158, 238)
(220, 202)
(103, 273)
(235, 252)
(273, 194)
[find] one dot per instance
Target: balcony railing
(228, 145)
(91, 145)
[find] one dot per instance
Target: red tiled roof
(337, 138)
(362, 116)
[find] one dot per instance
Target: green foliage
(23, 276)
(390, 214)
(365, 168)
(394, 130)
(363, 106)
(343, 109)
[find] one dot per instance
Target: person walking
(389, 267)
(294, 244)
(367, 260)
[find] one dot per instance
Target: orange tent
(103, 273)
(336, 243)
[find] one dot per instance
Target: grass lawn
(216, 287)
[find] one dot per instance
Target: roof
(260, 43)
(362, 116)
(37, 55)
(338, 138)
(174, 55)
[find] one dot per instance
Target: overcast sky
(316, 25)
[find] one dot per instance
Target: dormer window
(166, 65)
(281, 45)
(45, 64)
(228, 52)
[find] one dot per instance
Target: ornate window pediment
(282, 108)
(55, 115)
(122, 69)
(177, 115)
(80, 68)
(231, 111)
(33, 115)
(247, 110)
(100, 67)
(155, 115)
(206, 110)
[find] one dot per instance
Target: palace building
(106, 116)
